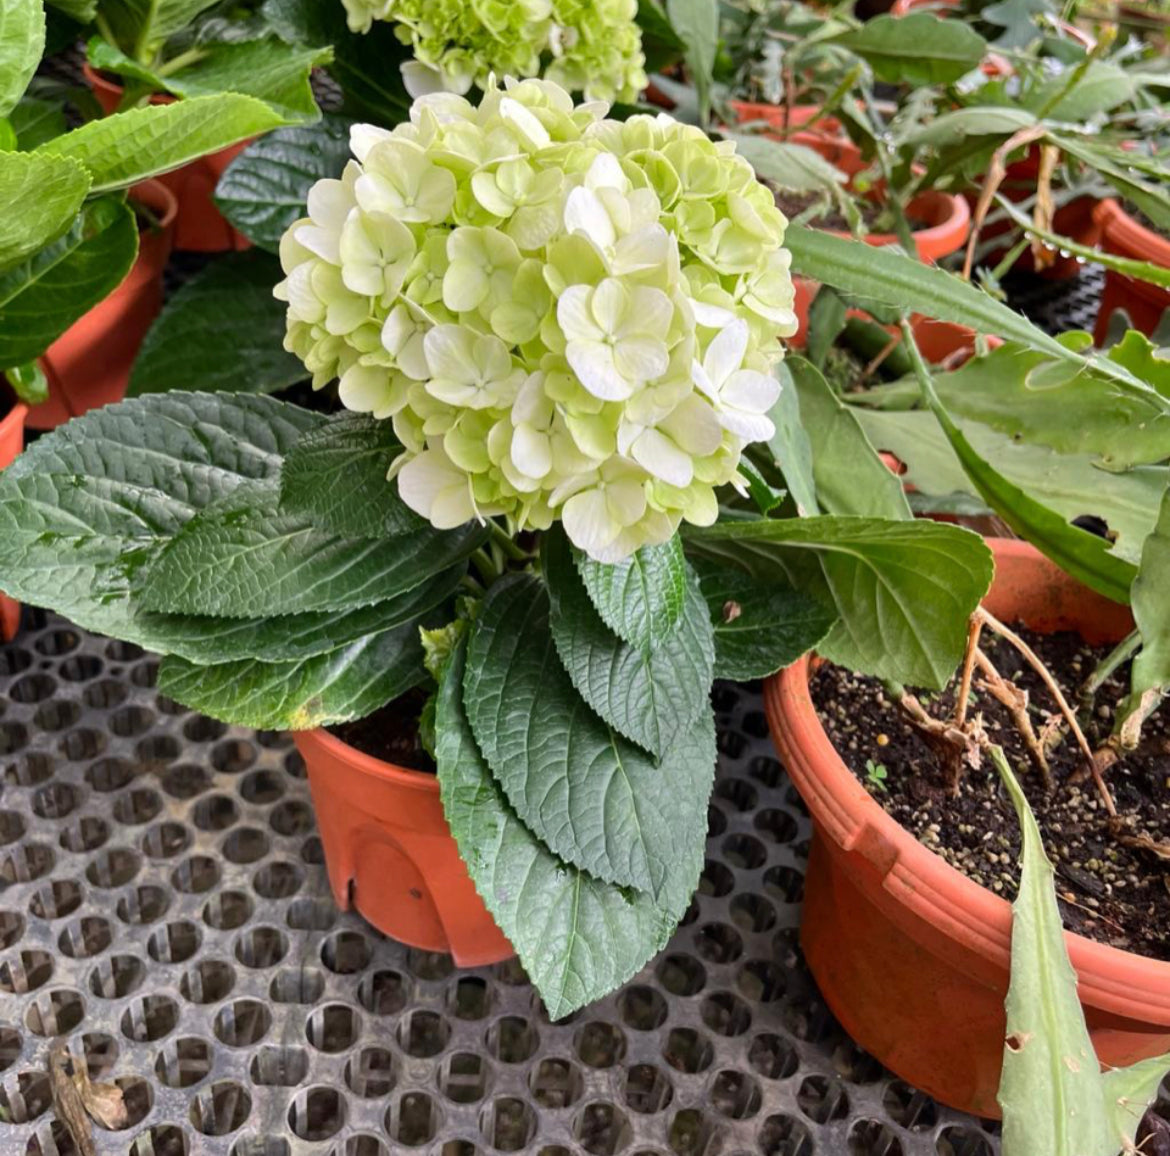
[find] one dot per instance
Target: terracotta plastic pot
(1119, 233)
(89, 364)
(390, 854)
(777, 115)
(911, 955)
(11, 443)
(946, 219)
(200, 226)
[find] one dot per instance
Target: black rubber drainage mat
(164, 909)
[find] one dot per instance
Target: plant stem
(483, 563)
(177, 63)
(502, 539)
(1010, 258)
(1118, 656)
(974, 629)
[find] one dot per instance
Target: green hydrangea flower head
(565, 317)
(589, 46)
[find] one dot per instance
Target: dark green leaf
(41, 297)
(660, 43)
(590, 796)
(696, 24)
(143, 142)
(1151, 607)
(760, 627)
(141, 26)
(222, 330)
(903, 590)
(850, 477)
(650, 693)
(954, 128)
(264, 190)
(336, 478)
(22, 40)
(1103, 86)
(642, 598)
(39, 200)
(577, 938)
(790, 446)
(1121, 171)
(827, 316)
(916, 49)
(344, 684)
(245, 558)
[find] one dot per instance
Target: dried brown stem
(1015, 701)
(1069, 716)
(67, 1102)
(974, 629)
(881, 356)
(952, 745)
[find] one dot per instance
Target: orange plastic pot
(390, 854)
(946, 219)
(89, 364)
(200, 225)
(11, 443)
(1120, 234)
(911, 955)
(777, 115)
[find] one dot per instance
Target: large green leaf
(39, 200)
(222, 330)
(790, 446)
(365, 65)
(650, 692)
(592, 797)
(1085, 556)
(760, 626)
(264, 190)
(336, 478)
(954, 128)
(205, 640)
(1151, 606)
(45, 294)
(1069, 484)
(246, 558)
(642, 598)
(903, 590)
(916, 49)
(1103, 86)
(36, 120)
(1121, 171)
(267, 69)
(347, 683)
(143, 142)
(791, 166)
(660, 43)
(850, 477)
(141, 26)
(22, 40)
(696, 24)
(1054, 1096)
(86, 506)
(1031, 398)
(887, 277)
(577, 937)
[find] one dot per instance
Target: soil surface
(876, 215)
(390, 734)
(1110, 888)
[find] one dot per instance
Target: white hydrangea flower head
(565, 317)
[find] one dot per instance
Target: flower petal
(725, 353)
(592, 362)
(587, 521)
(658, 455)
(584, 213)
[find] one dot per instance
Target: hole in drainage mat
(773, 1057)
(602, 1129)
(687, 1050)
(113, 867)
(209, 981)
(184, 1062)
(262, 788)
(600, 1045)
(413, 1119)
(173, 942)
(311, 914)
(143, 904)
(260, 1146)
(346, 953)
(150, 1018)
(508, 1124)
(215, 813)
(292, 817)
(87, 834)
(26, 862)
(25, 972)
(261, 947)
(55, 1012)
(137, 806)
(367, 1145)
(908, 1107)
(642, 1008)
(101, 1054)
(725, 1014)
(227, 910)
(117, 976)
(958, 1140)
(84, 937)
(166, 840)
(873, 1138)
(161, 1140)
(512, 1040)
(423, 1034)
(469, 998)
(317, 1113)
(822, 1099)
(221, 1108)
(10, 1043)
(243, 1022)
(54, 801)
(372, 1073)
(279, 1067)
(464, 1077)
(24, 1097)
(195, 875)
(383, 993)
(785, 1136)
(735, 1095)
(648, 1089)
(333, 1028)
(278, 880)
(556, 1083)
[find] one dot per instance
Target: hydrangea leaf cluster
(589, 46)
(565, 317)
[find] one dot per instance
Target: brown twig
(1015, 701)
(1034, 661)
(974, 629)
(953, 746)
(1042, 212)
(880, 357)
(67, 1102)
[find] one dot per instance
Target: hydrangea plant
(565, 317)
(589, 46)
(570, 487)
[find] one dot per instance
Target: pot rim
(1136, 239)
(154, 195)
(13, 418)
(1119, 981)
(329, 744)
